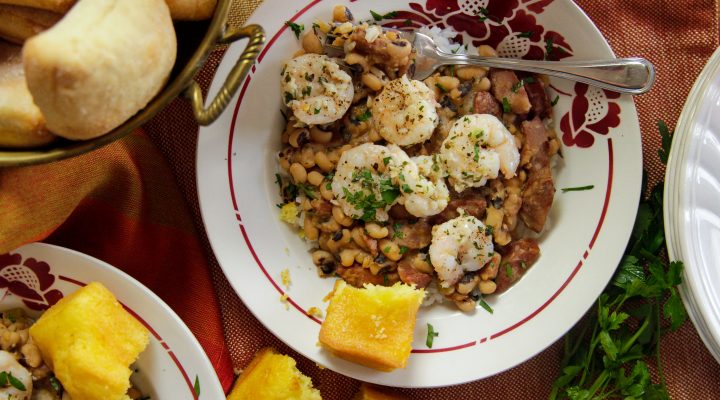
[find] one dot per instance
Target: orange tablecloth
(134, 205)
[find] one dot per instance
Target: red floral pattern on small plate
(30, 279)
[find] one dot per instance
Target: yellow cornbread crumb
(289, 213)
(314, 311)
(273, 376)
(371, 326)
(285, 277)
(89, 341)
(284, 300)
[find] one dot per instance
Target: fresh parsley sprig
(606, 355)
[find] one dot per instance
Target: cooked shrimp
(362, 188)
(459, 245)
(421, 196)
(316, 89)
(9, 364)
(404, 112)
(478, 146)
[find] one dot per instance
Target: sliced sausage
(534, 152)
(502, 84)
(411, 276)
(356, 275)
(413, 235)
(484, 103)
(539, 102)
(537, 198)
(474, 206)
(517, 257)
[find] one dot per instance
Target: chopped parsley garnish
(386, 160)
(403, 249)
(297, 29)
(397, 232)
(548, 47)
(386, 280)
(380, 17)
(508, 270)
(287, 78)
(307, 90)
(406, 188)
(439, 86)
(386, 249)
(525, 34)
(55, 384)
(522, 83)
(196, 386)
(278, 181)
(289, 97)
(485, 305)
(316, 111)
(7, 378)
(506, 105)
(482, 14)
(555, 101)
(307, 190)
(523, 265)
(431, 335)
(577, 189)
(309, 77)
(489, 230)
(364, 116)
(329, 177)
(476, 151)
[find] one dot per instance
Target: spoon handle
(625, 75)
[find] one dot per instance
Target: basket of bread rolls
(76, 75)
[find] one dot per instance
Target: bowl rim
(171, 90)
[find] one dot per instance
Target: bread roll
(191, 9)
(20, 23)
(21, 124)
(58, 6)
(104, 61)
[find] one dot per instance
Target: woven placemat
(677, 39)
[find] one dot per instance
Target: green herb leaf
(476, 152)
(577, 189)
(196, 386)
(55, 384)
(364, 116)
(380, 17)
(506, 105)
(666, 137)
(403, 249)
(522, 83)
(15, 382)
(485, 305)
(297, 29)
(555, 101)
(3, 379)
(631, 315)
(439, 86)
(431, 334)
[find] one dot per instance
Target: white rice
(432, 295)
(443, 39)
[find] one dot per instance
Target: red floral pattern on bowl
(512, 28)
(30, 280)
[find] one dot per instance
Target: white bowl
(580, 249)
(35, 276)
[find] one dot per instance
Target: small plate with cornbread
(82, 327)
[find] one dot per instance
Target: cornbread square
(273, 376)
(371, 326)
(371, 392)
(89, 341)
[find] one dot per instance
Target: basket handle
(205, 116)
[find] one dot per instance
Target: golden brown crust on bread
(102, 63)
(191, 9)
(19, 23)
(58, 6)
(21, 124)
